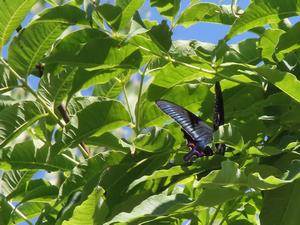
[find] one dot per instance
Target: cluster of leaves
(136, 175)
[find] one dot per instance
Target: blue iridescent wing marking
(194, 128)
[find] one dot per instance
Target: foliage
(111, 156)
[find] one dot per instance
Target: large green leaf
(94, 48)
(153, 207)
(262, 12)
(285, 81)
(288, 42)
(26, 155)
(268, 43)
(88, 170)
(12, 14)
(91, 211)
(118, 16)
(29, 47)
(206, 12)
(97, 118)
(280, 205)
(17, 118)
(179, 73)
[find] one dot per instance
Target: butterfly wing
(194, 128)
(219, 114)
(219, 107)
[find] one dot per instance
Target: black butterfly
(197, 133)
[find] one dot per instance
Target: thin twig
(19, 213)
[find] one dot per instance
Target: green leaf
(111, 89)
(26, 155)
(5, 210)
(155, 141)
(268, 43)
(87, 170)
(128, 10)
(7, 80)
(199, 166)
(17, 118)
(55, 85)
(285, 81)
(206, 12)
(91, 211)
(288, 41)
(168, 8)
(13, 13)
(179, 73)
(280, 205)
(29, 47)
(108, 140)
(161, 35)
(97, 118)
(262, 12)
(229, 135)
(94, 48)
(153, 207)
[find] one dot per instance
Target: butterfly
(196, 132)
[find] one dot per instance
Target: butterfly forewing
(198, 130)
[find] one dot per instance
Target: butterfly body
(197, 133)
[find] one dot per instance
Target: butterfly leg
(189, 156)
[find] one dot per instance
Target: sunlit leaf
(13, 13)
(262, 12)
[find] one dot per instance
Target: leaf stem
(215, 215)
(19, 213)
(40, 100)
(127, 101)
(137, 110)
